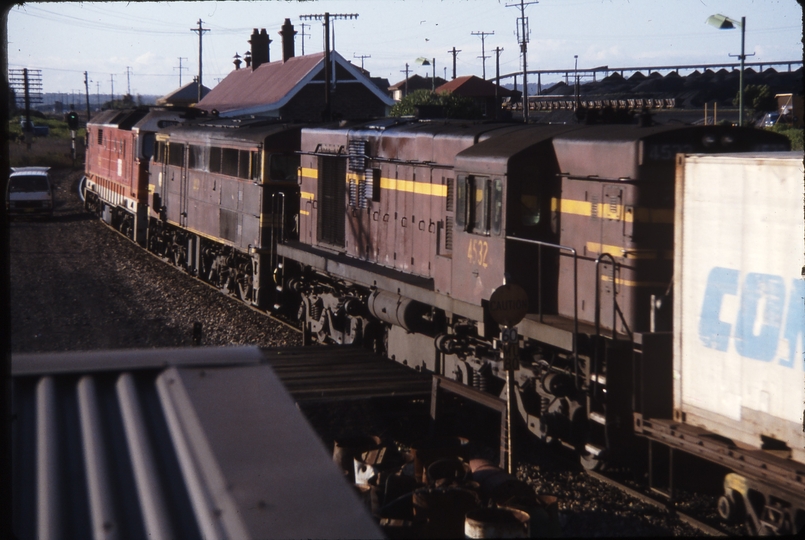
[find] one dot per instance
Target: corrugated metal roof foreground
(179, 443)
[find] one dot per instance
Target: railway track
(659, 503)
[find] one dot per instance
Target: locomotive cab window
(479, 204)
(283, 167)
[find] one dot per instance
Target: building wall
(350, 101)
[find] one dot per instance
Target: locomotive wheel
(245, 283)
(178, 255)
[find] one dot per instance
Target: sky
(139, 47)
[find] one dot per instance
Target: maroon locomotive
(406, 229)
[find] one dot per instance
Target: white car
(29, 192)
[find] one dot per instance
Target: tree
(453, 106)
(759, 97)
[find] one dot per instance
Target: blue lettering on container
(763, 345)
(714, 332)
(795, 323)
(762, 306)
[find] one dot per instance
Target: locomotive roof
(493, 154)
(619, 151)
(253, 130)
(139, 118)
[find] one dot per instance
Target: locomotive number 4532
(477, 252)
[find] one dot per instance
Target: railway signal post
(508, 304)
(72, 123)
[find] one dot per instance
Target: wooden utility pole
(180, 70)
(86, 87)
(200, 31)
(361, 56)
(406, 71)
(304, 35)
(454, 52)
(498, 50)
(522, 32)
(327, 114)
(483, 56)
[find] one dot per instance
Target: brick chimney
(287, 34)
(260, 42)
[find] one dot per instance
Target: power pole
(200, 31)
(406, 70)
(180, 70)
(361, 56)
(498, 50)
(327, 16)
(454, 52)
(98, 93)
(128, 80)
(112, 98)
(304, 35)
(483, 56)
(86, 87)
(522, 37)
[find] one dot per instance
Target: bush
(795, 135)
(452, 105)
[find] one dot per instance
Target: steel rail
(690, 520)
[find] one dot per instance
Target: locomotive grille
(448, 203)
(353, 192)
(448, 233)
(357, 155)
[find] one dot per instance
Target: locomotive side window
(461, 202)
(244, 159)
(530, 212)
(215, 159)
(257, 169)
(283, 167)
(497, 205)
(480, 205)
(197, 158)
(161, 152)
(229, 161)
(176, 154)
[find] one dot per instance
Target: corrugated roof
(181, 443)
(472, 86)
(270, 86)
(184, 95)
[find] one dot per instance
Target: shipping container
(739, 298)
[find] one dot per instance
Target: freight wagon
(739, 331)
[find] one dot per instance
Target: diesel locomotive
(394, 233)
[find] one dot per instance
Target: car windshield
(21, 184)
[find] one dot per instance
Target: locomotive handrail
(560, 247)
